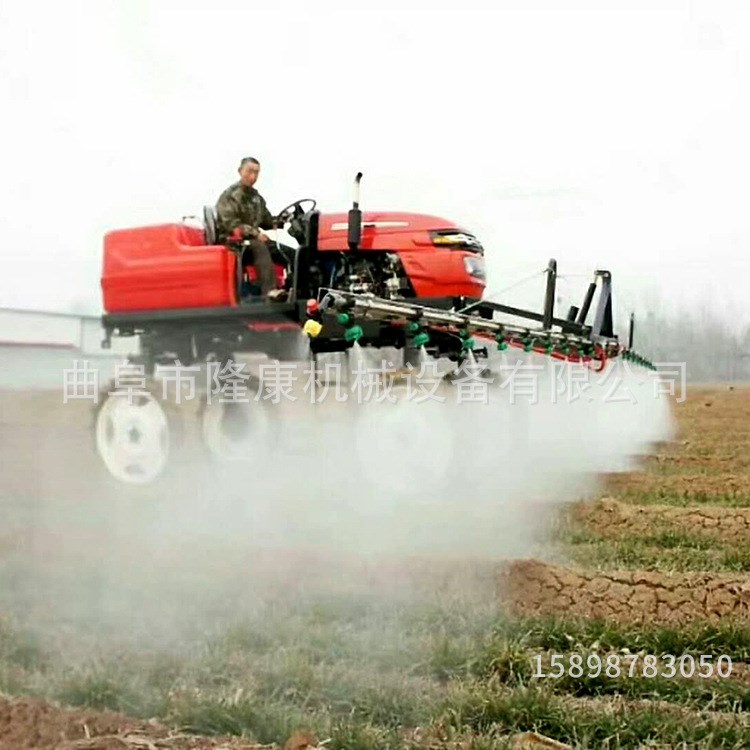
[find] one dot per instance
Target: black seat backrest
(209, 224)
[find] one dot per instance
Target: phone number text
(631, 665)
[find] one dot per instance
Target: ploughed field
(110, 639)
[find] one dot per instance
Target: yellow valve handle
(312, 328)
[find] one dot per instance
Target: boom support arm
(570, 338)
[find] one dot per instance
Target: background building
(37, 347)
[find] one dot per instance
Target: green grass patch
(363, 673)
(666, 496)
(486, 711)
(262, 720)
(562, 634)
(668, 551)
(131, 686)
(669, 539)
(588, 724)
(21, 648)
(634, 555)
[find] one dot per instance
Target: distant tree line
(714, 350)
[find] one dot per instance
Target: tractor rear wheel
(238, 430)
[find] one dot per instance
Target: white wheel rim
(234, 431)
(133, 438)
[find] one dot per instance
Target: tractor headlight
(474, 266)
(456, 239)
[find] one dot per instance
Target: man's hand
(249, 233)
(282, 219)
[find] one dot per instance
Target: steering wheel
(287, 214)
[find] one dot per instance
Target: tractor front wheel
(134, 436)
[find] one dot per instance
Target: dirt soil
(532, 587)
(711, 456)
(50, 446)
(611, 518)
(34, 724)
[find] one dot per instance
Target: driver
(242, 214)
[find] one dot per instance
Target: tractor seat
(209, 224)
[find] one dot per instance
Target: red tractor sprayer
(411, 285)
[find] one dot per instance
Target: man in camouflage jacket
(242, 214)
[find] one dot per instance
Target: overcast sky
(610, 134)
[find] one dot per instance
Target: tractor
(393, 280)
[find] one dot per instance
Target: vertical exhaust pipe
(549, 296)
(355, 217)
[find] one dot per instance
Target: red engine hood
(381, 230)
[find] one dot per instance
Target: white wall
(25, 327)
(37, 347)
(59, 331)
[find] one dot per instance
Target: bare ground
(536, 588)
(35, 724)
(709, 461)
